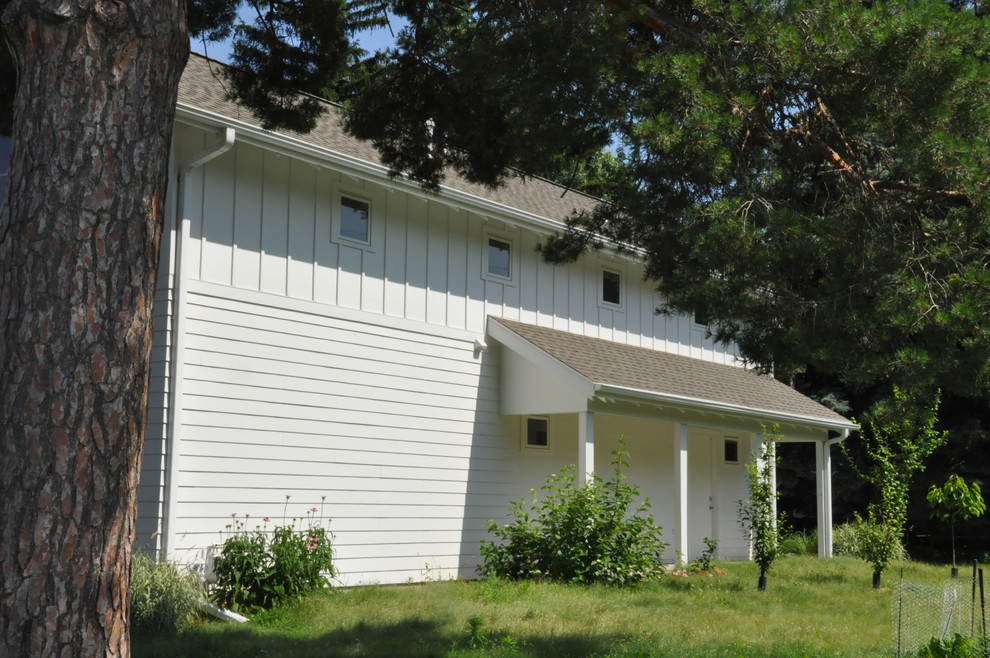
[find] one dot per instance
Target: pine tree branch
(665, 26)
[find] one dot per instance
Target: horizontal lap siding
(394, 434)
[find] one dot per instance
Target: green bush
(163, 595)
(845, 541)
(579, 534)
(258, 569)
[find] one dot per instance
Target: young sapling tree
(956, 501)
(758, 515)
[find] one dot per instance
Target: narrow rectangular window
(731, 451)
(536, 433)
(611, 287)
(499, 258)
(355, 219)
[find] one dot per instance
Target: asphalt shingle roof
(642, 369)
(202, 86)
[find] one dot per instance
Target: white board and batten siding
(345, 376)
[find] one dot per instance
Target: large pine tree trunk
(79, 234)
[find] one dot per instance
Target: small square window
(355, 219)
(537, 435)
(701, 317)
(500, 258)
(611, 287)
(732, 451)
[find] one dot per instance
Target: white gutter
(177, 355)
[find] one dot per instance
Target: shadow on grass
(413, 638)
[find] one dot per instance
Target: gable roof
(639, 372)
(202, 88)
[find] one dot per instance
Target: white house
(408, 364)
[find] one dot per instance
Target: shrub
(578, 533)
(163, 595)
(845, 541)
(257, 569)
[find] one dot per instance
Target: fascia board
(721, 407)
(541, 359)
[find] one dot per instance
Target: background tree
(955, 501)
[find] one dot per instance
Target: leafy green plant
(258, 569)
(958, 646)
(876, 541)
(703, 563)
(581, 533)
(758, 515)
(163, 595)
(956, 501)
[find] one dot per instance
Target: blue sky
(370, 40)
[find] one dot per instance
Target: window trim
(602, 302)
(726, 440)
(338, 219)
(513, 277)
(525, 433)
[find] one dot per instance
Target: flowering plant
(259, 568)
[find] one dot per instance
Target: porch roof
(602, 368)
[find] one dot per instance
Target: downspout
(177, 355)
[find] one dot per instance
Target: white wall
(316, 368)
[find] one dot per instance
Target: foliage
(846, 542)
(579, 533)
(799, 543)
(898, 437)
(258, 569)
(811, 173)
(958, 646)
(758, 514)
(163, 595)
(956, 501)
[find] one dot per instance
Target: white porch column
(680, 544)
(823, 476)
(586, 445)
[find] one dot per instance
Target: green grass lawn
(812, 608)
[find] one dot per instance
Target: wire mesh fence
(923, 611)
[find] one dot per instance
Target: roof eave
(710, 406)
(300, 148)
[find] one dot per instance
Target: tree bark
(79, 233)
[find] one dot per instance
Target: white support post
(586, 446)
(823, 475)
(681, 492)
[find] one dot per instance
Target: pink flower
(312, 546)
(233, 514)
(312, 509)
(266, 519)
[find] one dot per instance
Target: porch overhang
(547, 371)
(551, 371)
